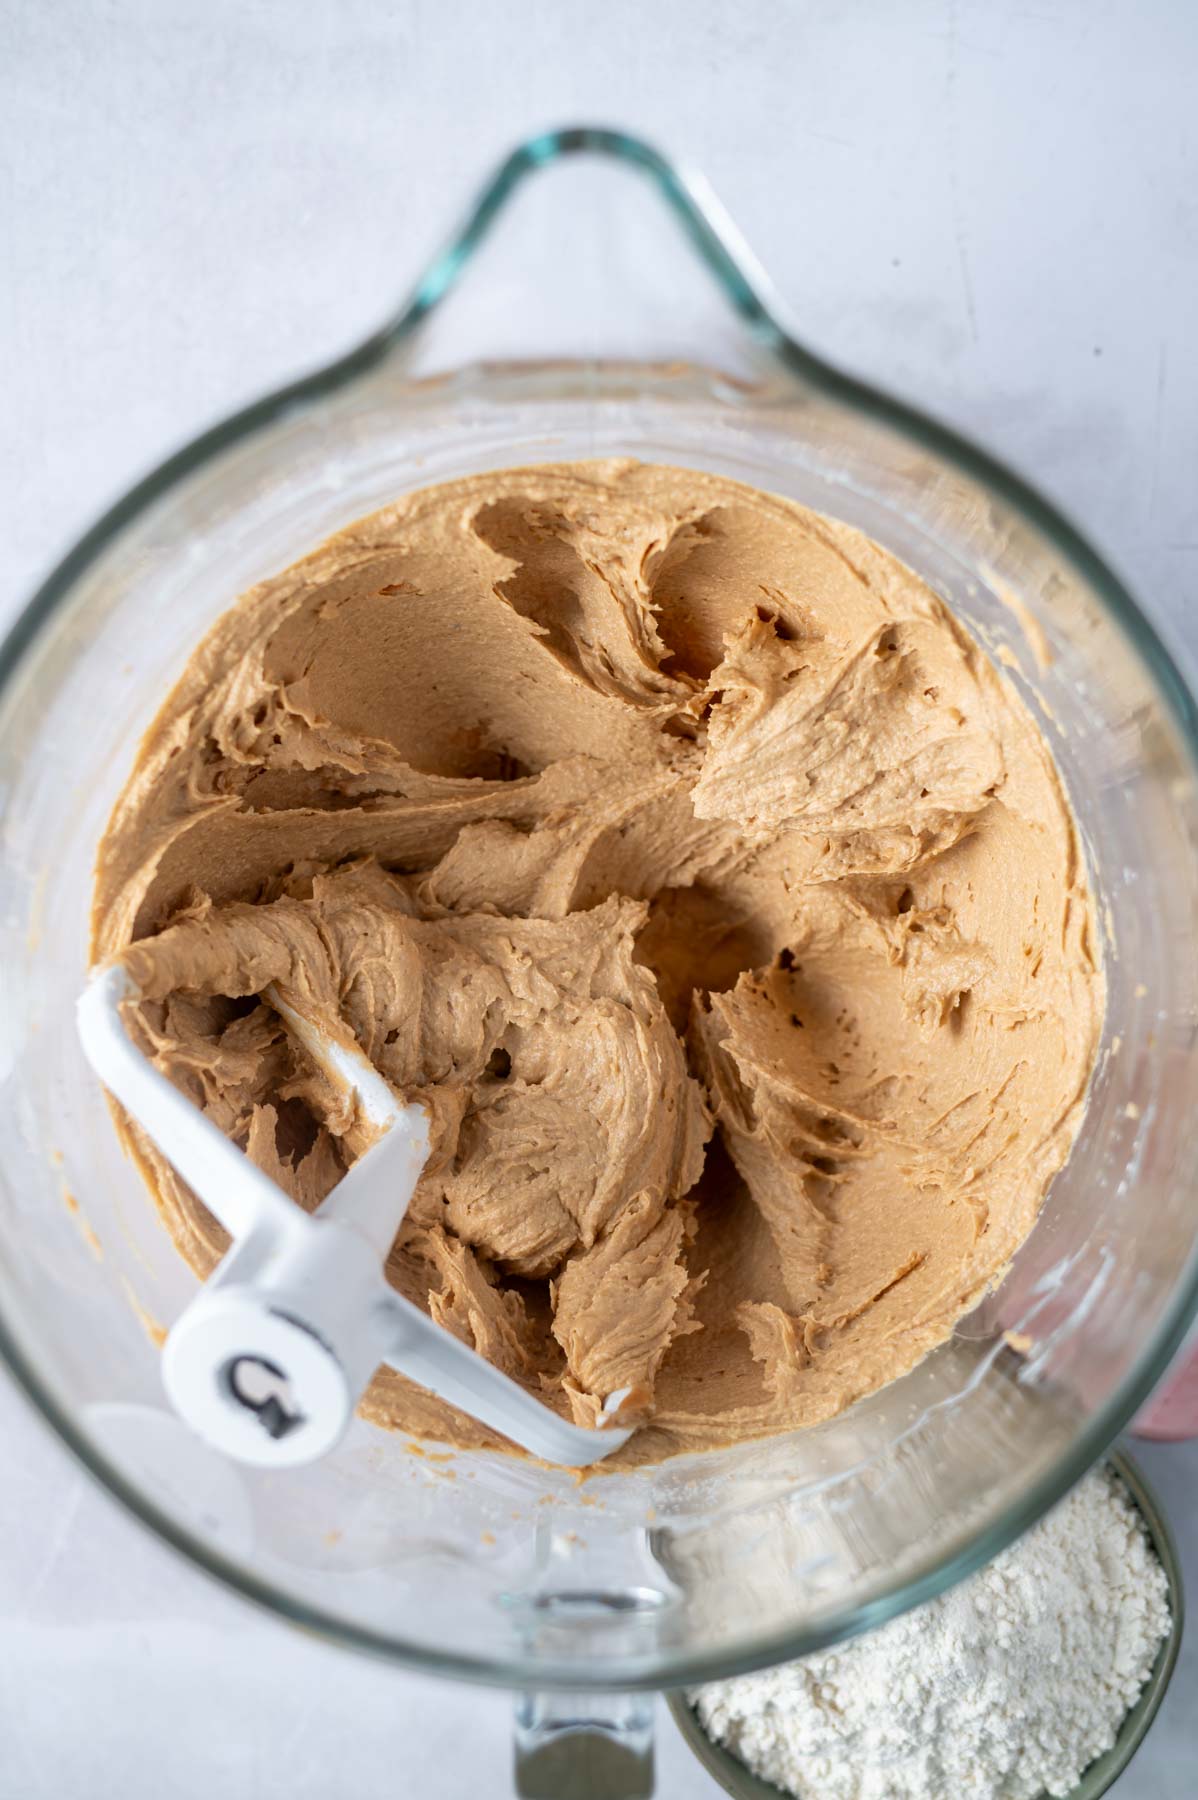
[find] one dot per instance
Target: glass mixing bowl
(485, 1566)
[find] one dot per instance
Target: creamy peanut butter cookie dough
(684, 854)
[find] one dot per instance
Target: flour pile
(1005, 1688)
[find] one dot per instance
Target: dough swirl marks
(679, 848)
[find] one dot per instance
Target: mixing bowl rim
(748, 292)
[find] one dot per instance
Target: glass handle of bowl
(579, 1746)
(658, 274)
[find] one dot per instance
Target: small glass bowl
(1104, 1771)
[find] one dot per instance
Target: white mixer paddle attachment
(270, 1359)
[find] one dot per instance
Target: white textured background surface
(992, 207)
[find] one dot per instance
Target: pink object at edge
(1172, 1412)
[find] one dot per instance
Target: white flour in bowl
(1005, 1688)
